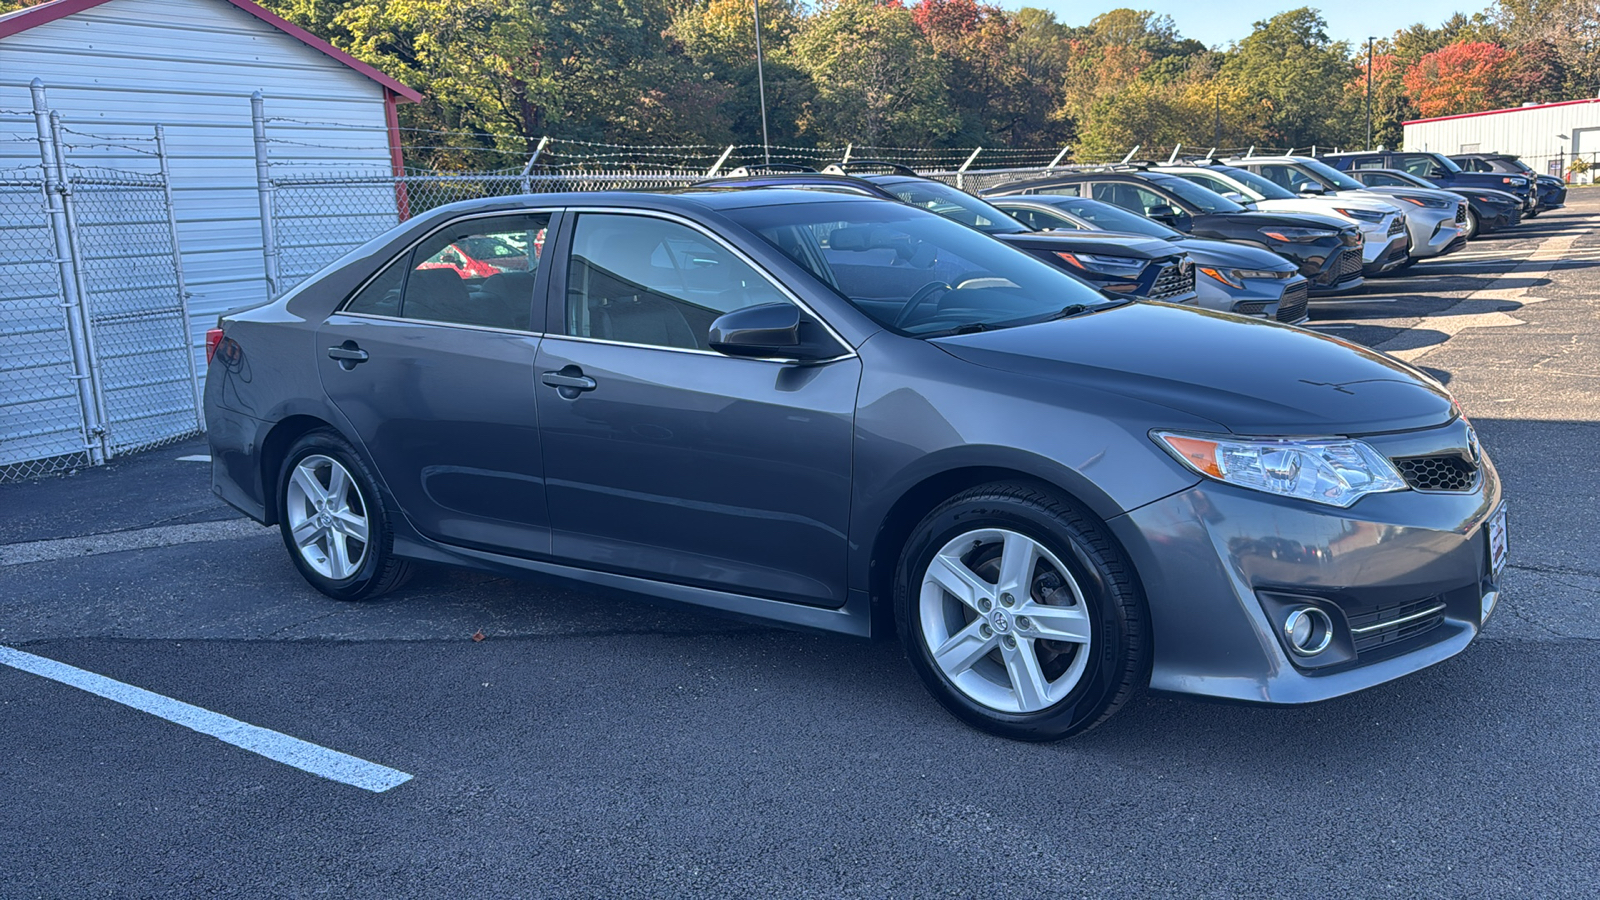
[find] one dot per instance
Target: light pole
(1369, 92)
(761, 86)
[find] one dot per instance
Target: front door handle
(348, 355)
(569, 382)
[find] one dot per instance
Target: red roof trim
(1509, 109)
(34, 16)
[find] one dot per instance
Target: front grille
(1398, 225)
(1444, 472)
(1349, 264)
(1392, 624)
(1461, 213)
(1292, 306)
(1173, 280)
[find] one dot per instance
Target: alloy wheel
(328, 519)
(1004, 620)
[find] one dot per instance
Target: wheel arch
(275, 448)
(918, 499)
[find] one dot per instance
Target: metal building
(109, 71)
(1546, 135)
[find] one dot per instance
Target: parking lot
(566, 743)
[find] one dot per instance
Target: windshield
(1106, 217)
(1267, 189)
(1195, 195)
(956, 205)
(917, 273)
(1445, 161)
(1332, 177)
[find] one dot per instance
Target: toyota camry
(849, 414)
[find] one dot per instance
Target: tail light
(213, 339)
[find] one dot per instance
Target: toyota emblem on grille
(1473, 449)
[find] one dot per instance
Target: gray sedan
(850, 414)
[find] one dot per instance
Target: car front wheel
(1020, 614)
(333, 520)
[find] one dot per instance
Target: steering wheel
(917, 299)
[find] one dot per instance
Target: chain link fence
(94, 357)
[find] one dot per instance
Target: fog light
(1309, 630)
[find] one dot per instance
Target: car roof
(794, 179)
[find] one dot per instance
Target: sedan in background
(1232, 278)
(1550, 192)
(1436, 219)
(1487, 210)
(1385, 245)
(834, 412)
(1327, 251)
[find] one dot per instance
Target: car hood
(1261, 217)
(1110, 244)
(1249, 376)
(1239, 256)
(1491, 193)
(1418, 192)
(1326, 204)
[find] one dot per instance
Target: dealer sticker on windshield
(1497, 541)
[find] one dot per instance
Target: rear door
(433, 364)
(668, 460)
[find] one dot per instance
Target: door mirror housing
(772, 331)
(1170, 217)
(1237, 197)
(1311, 187)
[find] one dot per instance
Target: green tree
(1297, 77)
(876, 80)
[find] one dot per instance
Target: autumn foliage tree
(1461, 77)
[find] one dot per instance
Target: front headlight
(1430, 202)
(1361, 215)
(1234, 278)
(1297, 235)
(1122, 266)
(1335, 472)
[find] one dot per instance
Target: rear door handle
(568, 379)
(348, 353)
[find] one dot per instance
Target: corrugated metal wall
(124, 66)
(1531, 133)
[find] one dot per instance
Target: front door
(668, 460)
(433, 364)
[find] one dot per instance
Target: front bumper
(1220, 566)
(1390, 256)
(1433, 232)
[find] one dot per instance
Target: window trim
(557, 287)
(540, 285)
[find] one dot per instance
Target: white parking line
(302, 755)
(138, 539)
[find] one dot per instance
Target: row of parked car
(1256, 235)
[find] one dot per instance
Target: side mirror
(1170, 217)
(1237, 197)
(1311, 187)
(771, 331)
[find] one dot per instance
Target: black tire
(1118, 654)
(378, 570)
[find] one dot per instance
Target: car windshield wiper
(1078, 309)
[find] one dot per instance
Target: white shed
(1546, 135)
(114, 69)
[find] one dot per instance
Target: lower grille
(1252, 307)
(1392, 624)
(1445, 472)
(1173, 280)
(1397, 226)
(1461, 213)
(1292, 307)
(1349, 264)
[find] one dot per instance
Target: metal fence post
(962, 172)
(177, 274)
(75, 249)
(527, 170)
(71, 287)
(269, 244)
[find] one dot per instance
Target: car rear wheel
(333, 522)
(1020, 614)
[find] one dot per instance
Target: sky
(1218, 23)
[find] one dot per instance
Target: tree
(875, 78)
(718, 38)
(1297, 77)
(1001, 86)
(1464, 77)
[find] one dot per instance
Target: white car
(1385, 241)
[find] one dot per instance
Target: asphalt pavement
(589, 745)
